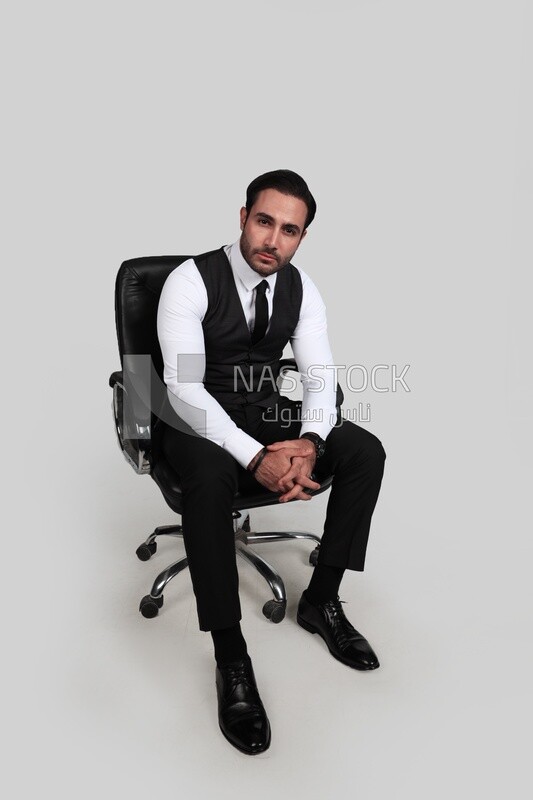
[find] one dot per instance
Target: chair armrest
(115, 377)
(134, 435)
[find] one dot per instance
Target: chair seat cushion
(250, 494)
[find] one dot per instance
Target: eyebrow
(271, 219)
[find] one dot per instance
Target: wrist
(256, 460)
(317, 441)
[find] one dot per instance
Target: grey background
(133, 129)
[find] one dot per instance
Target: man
(224, 318)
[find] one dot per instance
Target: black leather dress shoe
(343, 641)
(241, 714)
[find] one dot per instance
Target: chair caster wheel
(149, 606)
(313, 558)
(145, 551)
(274, 610)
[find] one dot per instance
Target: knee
(353, 445)
(373, 453)
(375, 449)
(365, 447)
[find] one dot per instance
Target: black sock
(324, 584)
(230, 645)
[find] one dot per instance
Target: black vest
(238, 372)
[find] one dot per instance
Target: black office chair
(140, 404)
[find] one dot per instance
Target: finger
(289, 476)
(308, 483)
(295, 493)
(298, 465)
(289, 444)
(284, 486)
(294, 476)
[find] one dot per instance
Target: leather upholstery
(137, 291)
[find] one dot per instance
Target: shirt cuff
(323, 428)
(242, 447)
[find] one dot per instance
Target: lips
(267, 255)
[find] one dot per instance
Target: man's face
(272, 230)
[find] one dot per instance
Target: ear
(243, 215)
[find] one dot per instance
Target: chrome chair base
(273, 610)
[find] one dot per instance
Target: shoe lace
(237, 674)
(343, 630)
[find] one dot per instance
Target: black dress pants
(209, 479)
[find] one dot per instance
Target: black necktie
(261, 312)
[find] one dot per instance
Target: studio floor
(128, 705)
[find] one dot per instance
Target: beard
(251, 256)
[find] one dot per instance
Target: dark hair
(286, 182)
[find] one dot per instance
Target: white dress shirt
(182, 307)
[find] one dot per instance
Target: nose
(272, 238)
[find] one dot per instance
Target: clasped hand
(287, 468)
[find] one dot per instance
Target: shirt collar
(247, 276)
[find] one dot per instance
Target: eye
(290, 231)
(263, 221)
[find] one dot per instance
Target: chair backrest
(138, 288)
